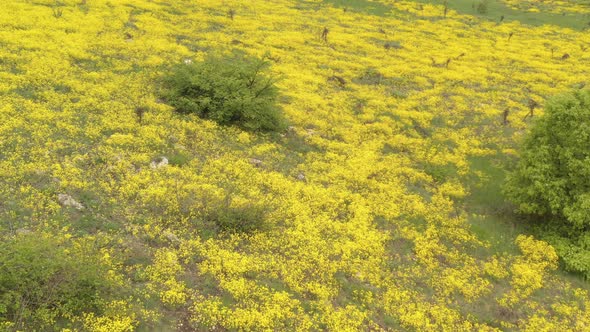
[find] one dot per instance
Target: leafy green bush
(552, 177)
(228, 90)
(46, 283)
(573, 250)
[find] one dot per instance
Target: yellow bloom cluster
(362, 225)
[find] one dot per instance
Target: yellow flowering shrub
(163, 274)
(529, 270)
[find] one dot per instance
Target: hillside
(378, 209)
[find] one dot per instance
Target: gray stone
(68, 201)
(159, 162)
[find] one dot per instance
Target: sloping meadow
(352, 219)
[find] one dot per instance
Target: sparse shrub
(371, 76)
(393, 45)
(398, 93)
(244, 219)
(234, 89)
(179, 159)
(482, 7)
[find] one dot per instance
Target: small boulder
(256, 162)
(159, 162)
(171, 237)
(23, 231)
(68, 201)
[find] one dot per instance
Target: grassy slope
(490, 216)
(496, 9)
(344, 246)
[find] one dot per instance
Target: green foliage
(574, 251)
(482, 7)
(228, 90)
(243, 219)
(371, 76)
(552, 177)
(46, 282)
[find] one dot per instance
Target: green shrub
(371, 76)
(46, 283)
(243, 219)
(552, 177)
(573, 250)
(229, 90)
(482, 7)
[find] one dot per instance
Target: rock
(256, 162)
(23, 231)
(171, 237)
(68, 201)
(159, 162)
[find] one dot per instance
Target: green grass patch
(363, 6)
(495, 9)
(358, 6)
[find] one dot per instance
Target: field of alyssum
(358, 206)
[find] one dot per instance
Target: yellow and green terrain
(378, 209)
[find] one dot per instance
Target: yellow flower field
(361, 201)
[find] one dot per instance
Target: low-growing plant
(46, 282)
(230, 90)
(371, 76)
(243, 219)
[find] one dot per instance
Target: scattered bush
(229, 90)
